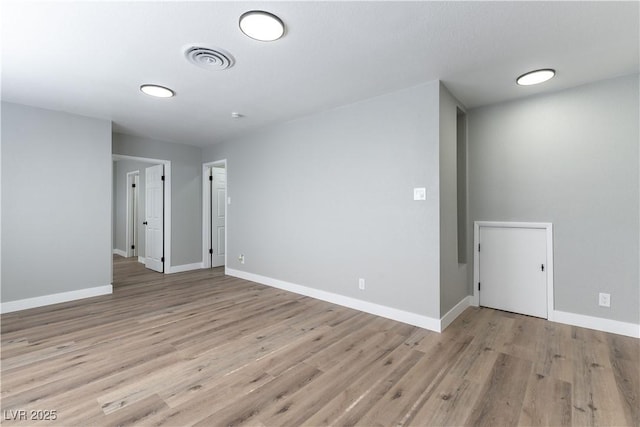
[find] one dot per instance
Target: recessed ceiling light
(261, 25)
(157, 91)
(535, 77)
(236, 115)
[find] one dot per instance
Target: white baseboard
(368, 307)
(456, 311)
(141, 259)
(23, 304)
(120, 252)
(597, 323)
(184, 267)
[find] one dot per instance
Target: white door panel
(513, 271)
(218, 213)
(154, 212)
(220, 242)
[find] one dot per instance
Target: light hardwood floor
(201, 348)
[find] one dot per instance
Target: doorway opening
(214, 214)
(142, 210)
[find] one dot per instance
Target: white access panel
(513, 269)
(154, 218)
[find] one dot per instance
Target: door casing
(132, 218)
(206, 214)
(167, 202)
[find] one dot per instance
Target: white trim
(167, 200)
(598, 323)
(206, 220)
(141, 260)
(368, 307)
(476, 257)
(167, 216)
(184, 267)
(120, 252)
(475, 296)
(206, 259)
(129, 227)
(456, 311)
(24, 304)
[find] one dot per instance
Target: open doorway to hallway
(141, 211)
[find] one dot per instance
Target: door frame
(167, 202)
(549, 264)
(130, 228)
(206, 214)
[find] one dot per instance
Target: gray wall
(570, 158)
(327, 199)
(453, 276)
(186, 191)
(120, 170)
(56, 202)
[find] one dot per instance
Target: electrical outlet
(361, 284)
(604, 300)
(241, 258)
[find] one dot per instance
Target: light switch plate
(420, 193)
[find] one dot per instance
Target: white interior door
(134, 215)
(218, 213)
(154, 218)
(513, 270)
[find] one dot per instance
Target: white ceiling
(90, 58)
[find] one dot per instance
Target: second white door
(154, 218)
(218, 213)
(513, 270)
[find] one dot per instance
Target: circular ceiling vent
(211, 59)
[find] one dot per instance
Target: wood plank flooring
(200, 348)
